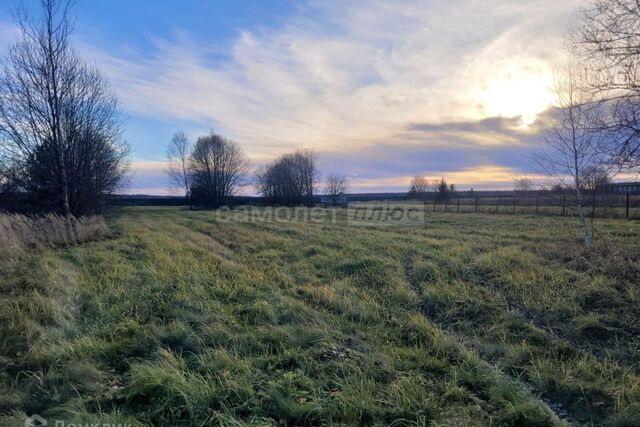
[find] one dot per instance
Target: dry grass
(21, 231)
(192, 318)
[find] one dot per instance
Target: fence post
(537, 202)
(458, 205)
(564, 204)
(627, 211)
(514, 205)
(476, 204)
(434, 203)
(446, 204)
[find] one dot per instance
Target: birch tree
(571, 147)
(179, 171)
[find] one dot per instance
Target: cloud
(7, 32)
(389, 165)
(484, 133)
(383, 90)
(347, 75)
(479, 178)
(151, 179)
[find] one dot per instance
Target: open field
(186, 318)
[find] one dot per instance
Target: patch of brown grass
(21, 231)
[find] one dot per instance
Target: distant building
(624, 187)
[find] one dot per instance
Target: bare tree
(571, 146)
(609, 41)
(219, 169)
(308, 173)
(596, 179)
(290, 179)
(443, 191)
(523, 185)
(60, 129)
(418, 187)
(178, 156)
(336, 187)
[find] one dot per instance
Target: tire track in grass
(538, 320)
(561, 414)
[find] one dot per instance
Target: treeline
(420, 187)
(593, 180)
(61, 145)
(215, 168)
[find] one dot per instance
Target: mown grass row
(186, 319)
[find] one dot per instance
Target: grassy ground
(187, 318)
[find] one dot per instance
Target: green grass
(183, 318)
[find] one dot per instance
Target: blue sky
(381, 90)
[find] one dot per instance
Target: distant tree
(571, 148)
(418, 187)
(336, 187)
(596, 179)
(290, 179)
(443, 191)
(60, 128)
(219, 169)
(523, 185)
(179, 171)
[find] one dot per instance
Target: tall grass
(21, 231)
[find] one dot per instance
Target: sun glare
(523, 97)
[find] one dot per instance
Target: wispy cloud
(347, 78)
(350, 73)
(8, 31)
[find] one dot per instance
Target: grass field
(185, 318)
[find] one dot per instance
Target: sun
(525, 96)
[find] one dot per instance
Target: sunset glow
(523, 96)
(378, 89)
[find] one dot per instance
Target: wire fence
(610, 205)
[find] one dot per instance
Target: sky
(381, 90)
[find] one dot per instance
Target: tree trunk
(586, 235)
(52, 51)
(66, 211)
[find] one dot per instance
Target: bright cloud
(353, 73)
(343, 77)
(488, 177)
(151, 174)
